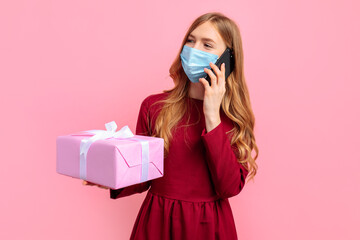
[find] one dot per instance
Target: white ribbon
(110, 132)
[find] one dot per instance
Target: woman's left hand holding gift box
(93, 184)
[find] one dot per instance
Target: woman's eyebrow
(206, 39)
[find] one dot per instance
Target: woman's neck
(196, 90)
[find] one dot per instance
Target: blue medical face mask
(194, 61)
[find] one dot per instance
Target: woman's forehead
(206, 30)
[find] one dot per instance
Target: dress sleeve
(141, 129)
(227, 173)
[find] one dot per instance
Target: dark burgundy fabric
(201, 172)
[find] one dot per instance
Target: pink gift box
(114, 162)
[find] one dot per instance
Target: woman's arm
(227, 173)
(141, 129)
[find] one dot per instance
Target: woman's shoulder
(153, 98)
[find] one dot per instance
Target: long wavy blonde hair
(235, 104)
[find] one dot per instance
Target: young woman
(208, 139)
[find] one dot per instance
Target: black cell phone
(228, 58)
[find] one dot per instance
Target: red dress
(200, 173)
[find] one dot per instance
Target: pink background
(67, 66)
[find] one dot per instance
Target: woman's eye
(206, 45)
